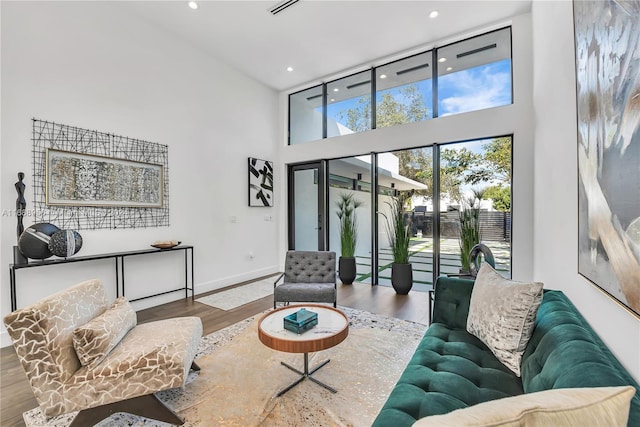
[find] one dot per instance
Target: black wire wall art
(86, 179)
(260, 182)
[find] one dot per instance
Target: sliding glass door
(351, 177)
(475, 202)
(306, 207)
(407, 175)
(454, 195)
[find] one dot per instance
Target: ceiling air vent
(480, 49)
(358, 84)
(282, 6)
(408, 70)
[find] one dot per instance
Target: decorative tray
(165, 244)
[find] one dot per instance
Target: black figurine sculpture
(21, 203)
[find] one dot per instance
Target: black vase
(347, 270)
(401, 278)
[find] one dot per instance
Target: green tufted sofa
(452, 369)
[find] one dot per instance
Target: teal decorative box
(300, 321)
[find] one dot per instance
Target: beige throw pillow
(94, 340)
(596, 406)
(502, 314)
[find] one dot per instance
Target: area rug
(240, 378)
(240, 295)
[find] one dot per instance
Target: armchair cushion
(152, 357)
(94, 340)
(307, 292)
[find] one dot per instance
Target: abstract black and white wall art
(86, 179)
(608, 103)
(260, 182)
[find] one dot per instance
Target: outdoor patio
(421, 258)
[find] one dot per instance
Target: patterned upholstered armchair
(309, 276)
(82, 354)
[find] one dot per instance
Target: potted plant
(398, 230)
(346, 213)
(469, 217)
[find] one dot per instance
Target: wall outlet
(233, 219)
(268, 218)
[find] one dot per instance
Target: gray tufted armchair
(309, 276)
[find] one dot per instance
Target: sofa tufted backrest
(451, 305)
(565, 352)
(310, 267)
(42, 335)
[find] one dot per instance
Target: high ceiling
(320, 38)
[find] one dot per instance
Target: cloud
(475, 88)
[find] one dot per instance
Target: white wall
(90, 65)
(513, 119)
(556, 183)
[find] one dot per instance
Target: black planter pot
(347, 270)
(401, 278)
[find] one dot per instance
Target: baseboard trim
(213, 285)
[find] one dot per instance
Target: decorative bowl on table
(165, 244)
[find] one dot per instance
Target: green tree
(417, 164)
(494, 164)
(501, 197)
(406, 106)
(357, 118)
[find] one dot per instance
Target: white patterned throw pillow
(502, 314)
(94, 340)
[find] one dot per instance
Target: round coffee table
(331, 330)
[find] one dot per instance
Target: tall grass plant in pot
(469, 228)
(346, 213)
(399, 233)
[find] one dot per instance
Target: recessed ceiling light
(289, 69)
(335, 89)
(383, 76)
(449, 68)
(193, 5)
(332, 99)
(443, 59)
(433, 14)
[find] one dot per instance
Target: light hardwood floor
(16, 396)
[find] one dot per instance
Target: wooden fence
(494, 225)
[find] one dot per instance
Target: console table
(119, 258)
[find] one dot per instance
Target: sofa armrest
(451, 305)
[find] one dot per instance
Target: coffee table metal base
(306, 374)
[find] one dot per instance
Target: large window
(404, 91)
(305, 115)
(349, 105)
(471, 75)
(446, 190)
(475, 74)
